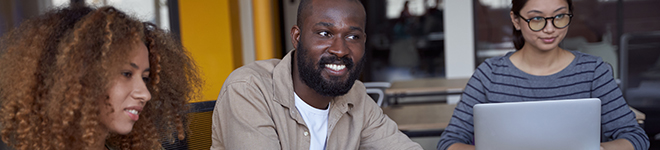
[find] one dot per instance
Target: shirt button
(305, 133)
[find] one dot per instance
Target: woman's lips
(133, 112)
(548, 40)
(132, 115)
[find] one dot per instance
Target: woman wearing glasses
(541, 70)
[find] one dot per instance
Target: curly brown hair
(56, 70)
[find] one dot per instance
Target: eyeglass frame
(570, 19)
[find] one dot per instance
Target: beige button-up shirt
(256, 110)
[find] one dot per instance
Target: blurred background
(419, 52)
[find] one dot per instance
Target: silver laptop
(540, 125)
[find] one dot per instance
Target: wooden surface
(639, 115)
(420, 116)
(433, 116)
(436, 116)
(428, 85)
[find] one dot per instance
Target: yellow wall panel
(266, 29)
(210, 31)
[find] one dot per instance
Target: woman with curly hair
(84, 78)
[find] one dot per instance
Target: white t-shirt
(317, 123)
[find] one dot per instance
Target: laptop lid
(540, 125)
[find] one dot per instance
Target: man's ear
(295, 36)
(515, 20)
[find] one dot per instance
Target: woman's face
(548, 37)
(128, 93)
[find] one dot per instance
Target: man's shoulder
(358, 94)
(258, 69)
(358, 89)
(248, 79)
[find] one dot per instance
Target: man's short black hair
(303, 6)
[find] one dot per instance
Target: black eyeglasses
(559, 21)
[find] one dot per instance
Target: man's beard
(310, 73)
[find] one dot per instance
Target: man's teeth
(335, 67)
(132, 111)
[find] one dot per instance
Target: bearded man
(310, 99)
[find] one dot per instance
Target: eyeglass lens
(559, 21)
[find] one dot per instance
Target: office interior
(419, 52)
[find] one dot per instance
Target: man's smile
(336, 69)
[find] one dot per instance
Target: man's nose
(338, 47)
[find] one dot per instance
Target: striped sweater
(497, 80)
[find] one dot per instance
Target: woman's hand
(618, 144)
(460, 146)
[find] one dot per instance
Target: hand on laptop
(617, 144)
(461, 146)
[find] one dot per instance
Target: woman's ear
(515, 20)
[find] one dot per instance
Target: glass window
(640, 59)
(406, 40)
(155, 11)
(416, 7)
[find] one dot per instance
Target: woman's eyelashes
(146, 79)
(129, 75)
(537, 18)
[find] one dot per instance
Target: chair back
(379, 89)
(200, 124)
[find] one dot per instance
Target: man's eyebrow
(325, 24)
(147, 70)
(353, 28)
